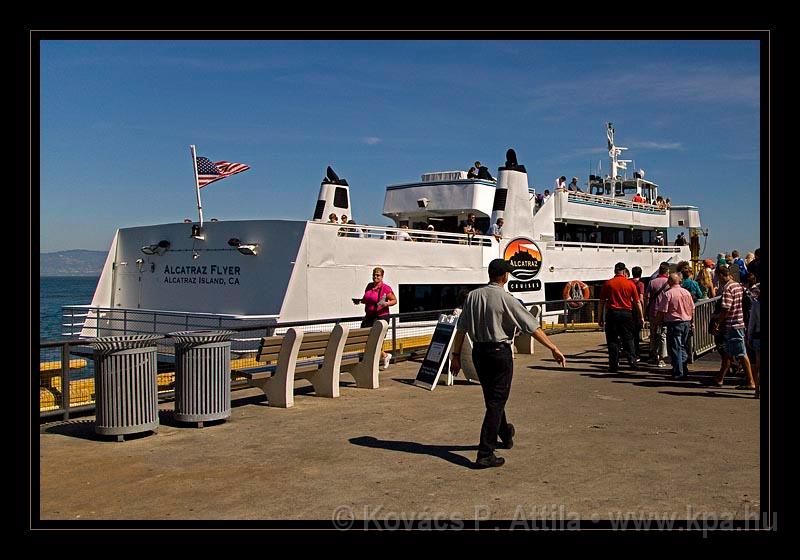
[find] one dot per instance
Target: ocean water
(56, 291)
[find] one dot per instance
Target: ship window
(340, 198)
(500, 196)
(319, 209)
(430, 297)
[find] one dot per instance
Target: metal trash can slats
(126, 384)
(202, 375)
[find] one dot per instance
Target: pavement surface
(588, 444)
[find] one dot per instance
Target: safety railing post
(394, 336)
(65, 381)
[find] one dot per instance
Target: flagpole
(196, 183)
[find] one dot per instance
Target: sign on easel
(438, 351)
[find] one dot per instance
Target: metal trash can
(202, 375)
(126, 384)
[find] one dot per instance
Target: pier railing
(66, 374)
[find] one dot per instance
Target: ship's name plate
(220, 275)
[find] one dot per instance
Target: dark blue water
(56, 291)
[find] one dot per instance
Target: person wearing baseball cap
(617, 300)
(491, 316)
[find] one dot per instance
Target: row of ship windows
(612, 235)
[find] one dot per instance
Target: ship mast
(614, 152)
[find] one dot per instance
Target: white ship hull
(310, 270)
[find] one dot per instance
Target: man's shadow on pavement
(442, 451)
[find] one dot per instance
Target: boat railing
(388, 233)
(66, 369)
(669, 249)
(612, 201)
(87, 320)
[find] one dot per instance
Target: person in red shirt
(617, 300)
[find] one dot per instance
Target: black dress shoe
(489, 461)
(508, 442)
(634, 365)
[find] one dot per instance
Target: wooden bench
(362, 355)
(317, 357)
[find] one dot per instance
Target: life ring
(575, 290)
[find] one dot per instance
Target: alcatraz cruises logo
(526, 258)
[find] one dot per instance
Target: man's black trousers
(494, 363)
(619, 329)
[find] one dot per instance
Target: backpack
(747, 305)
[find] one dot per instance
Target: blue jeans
(677, 334)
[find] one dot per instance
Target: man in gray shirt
(492, 316)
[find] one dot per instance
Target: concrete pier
(588, 444)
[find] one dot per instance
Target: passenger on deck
(680, 241)
(468, 226)
(573, 186)
(667, 203)
(546, 196)
(483, 171)
(353, 231)
(561, 182)
(431, 236)
(497, 229)
(333, 219)
(638, 198)
(403, 234)
(472, 173)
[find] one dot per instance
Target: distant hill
(78, 262)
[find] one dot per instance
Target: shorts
(734, 343)
(370, 320)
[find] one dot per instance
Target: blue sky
(117, 118)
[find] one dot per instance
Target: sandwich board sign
(438, 352)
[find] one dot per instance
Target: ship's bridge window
(340, 198)
(629, 188)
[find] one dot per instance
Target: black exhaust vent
(319, 209)
(500, 196)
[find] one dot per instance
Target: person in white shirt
(496, 229)
(403, 234)
(561, 183)
(546, 196)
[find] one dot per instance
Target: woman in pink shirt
(378, 298)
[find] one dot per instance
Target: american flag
(208, 172)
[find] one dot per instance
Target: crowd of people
(667, 304)
(492, 317)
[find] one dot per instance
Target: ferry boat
(290, 270)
